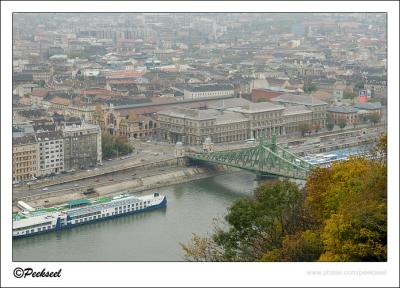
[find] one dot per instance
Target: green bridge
(265, 159)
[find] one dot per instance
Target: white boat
(82, 211)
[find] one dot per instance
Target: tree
(132, 117)
(309, 87)
(359, 85)
(304, 128)
(380, 149)
(256, 225)
(261, 100)
(330, 123)
(349, 95)
(374, 118)
(304, 246)
(342, 122)
(115, 146)
(316, 127)
(348, 201)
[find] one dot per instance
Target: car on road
(45, 189)
(76, 185)
(88, 170)
(95, 169)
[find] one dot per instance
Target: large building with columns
(231, 120)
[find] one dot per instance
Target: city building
(318, 107)
(24, 158)
(369, 108)
(191, 126)
(348, 113)
(50, 153)
(263, 117)
(231, 120)
(208, 91)
(82, 146)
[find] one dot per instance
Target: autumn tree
(304, 128)
(342, 123)
(330, 123)
(374, 118)
(257, 225)
(348, 201)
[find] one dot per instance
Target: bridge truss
(264, 159)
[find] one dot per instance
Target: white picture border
(178, 274)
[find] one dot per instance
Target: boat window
(48, 227)
(32, 230)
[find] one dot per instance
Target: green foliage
(304, 128)
(349, 202)
(342, 123)
(114, 145)
(304, 246)
(374, 118)
(261, 100)
(349, 95)
(359, 85)
(309, 87)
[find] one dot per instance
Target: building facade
(192, 127)
(340, 113)
(24, 157)
(51, 153)
(318, 107)
(232, 121)
(82, 146)
(208, 91)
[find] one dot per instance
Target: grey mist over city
(199, 137)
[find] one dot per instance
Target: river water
(148, 236)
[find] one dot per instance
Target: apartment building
(50, 152)
(82, 146)
(24, 158)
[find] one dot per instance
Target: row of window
(51, 142)
(24, 164)
(98, 215)
(32, 229)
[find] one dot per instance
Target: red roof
(40, 92)
(125, 74)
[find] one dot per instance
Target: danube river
(147, 236)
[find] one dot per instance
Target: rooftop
(24, 140)
(290, 110)
(298, 99)
(209, 87)
(51, 135)
(257, 107)
(368, 105)
(342, 109)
